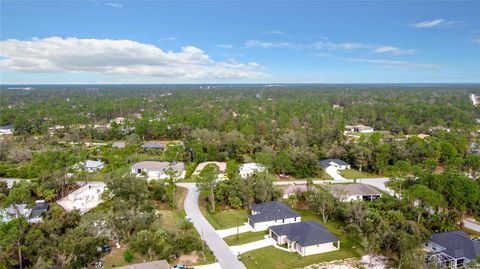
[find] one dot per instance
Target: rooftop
(305, 233)
(457, 244)
(327, 162)
(221, 166)
(354, 189)
(162, 264)
(272, 211)
(159, 166)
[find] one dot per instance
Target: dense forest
(426, 141)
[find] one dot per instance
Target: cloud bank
(123, 57)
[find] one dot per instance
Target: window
(283, 220)
(294, 219)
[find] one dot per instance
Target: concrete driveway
(222, 252)
(231, 231)
(240, 249)
(333, 172)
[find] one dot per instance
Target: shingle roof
(305, 233)
(161, 264)
(93, 164)
(154, 145)
(354, 189)
(326, 163)
(457, 244)
(272, 211)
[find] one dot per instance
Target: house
(452, 249)
(6, 130)
(10, 181)
(118, 120)
(14, 211)
(354, 192)
(119, 144)
(249, 169)
(38, 209)
(155, 145)
(270, 214)
(84, 198)
(159, 170)
(90, 166)
(222, 167)
(161, 264)
(363, 129)
(306, 238)
(337, 163)
(290, 190)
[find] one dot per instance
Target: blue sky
(237, 42)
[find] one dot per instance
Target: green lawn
(226, 219)
(244, 238)
(353, 174)
(271, 257)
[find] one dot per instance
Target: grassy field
(226, 219)
(244, 238)
(353, 174)
(115, 258)
(271, 257)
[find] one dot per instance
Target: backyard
(244, 238)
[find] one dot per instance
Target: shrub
(128, 256)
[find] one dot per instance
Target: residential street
(226, 258)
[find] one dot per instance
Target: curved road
(220, 249)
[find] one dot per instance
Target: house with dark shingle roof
(452, 249)
(270, 214)
(306, 238)
(337, 163)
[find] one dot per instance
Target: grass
(226, 219)
(115, 258)
(222, 219)
(271, 257)
(353, 174)
(244, 238)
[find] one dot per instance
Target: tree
(207, 180)
(421, 196)
(321, 202)
(232, 169)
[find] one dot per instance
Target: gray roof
(354, 189)
(326, 163)
(161, 264)
(457, 244)
(40, 207)
(154, 145)
(305, 233)
(272, 211)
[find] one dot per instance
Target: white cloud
(170, 38)
(225, 46)
(433, 23)
(392, 63)
(124, 57)
(373, 48)
(268, 45)
(327, 45)
(114, 5)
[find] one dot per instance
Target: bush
(128, 256)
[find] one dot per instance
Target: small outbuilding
(337, 163)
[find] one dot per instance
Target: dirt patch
(189, 259)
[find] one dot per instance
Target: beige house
(158, 170)
(354, 192)
(222, 167)
(306, 238)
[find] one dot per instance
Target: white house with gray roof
(270, 214)
(452, 249)
(159, 170)
(306, 238)
(337, 163)
(354, 192)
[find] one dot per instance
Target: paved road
(225, 257)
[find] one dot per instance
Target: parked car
(180, 266)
